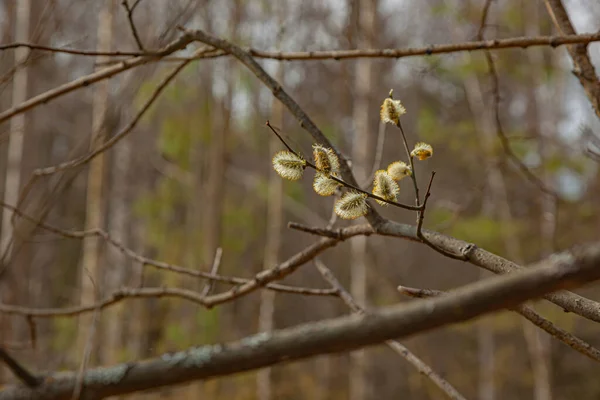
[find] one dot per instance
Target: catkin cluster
(353, 203)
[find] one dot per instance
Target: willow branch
(399, 348)
(90, 79)
(567, 338)
(245, 58)
(566, 270)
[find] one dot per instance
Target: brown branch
(568, 301)
(19, 371)
(213, 271)
(493, 74)
(87, 80)
(399, 348)
(413, 173)
(567, 338)
(112, 299)
(583, 68)
(492, 44)
(305, 122)
(119, 136)
(161, 264)
(567, 270)
(33, 46)
(134, 31)
(284, 269)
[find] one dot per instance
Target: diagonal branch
(567, 270)
(583, 68)
(18, 370)
(569, 301)
(305, 122)
(567, 338)
(399, 348)
(87, 80)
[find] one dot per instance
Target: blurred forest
(192, 185)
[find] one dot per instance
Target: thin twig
(402, 351)
(145, 292)
(493, 74)
(134, 31)
(413, 173)
(87, 80)
(531, 315)
(92, 53)
(116, 138)
(161, 264)
(213, 271)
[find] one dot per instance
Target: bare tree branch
(583, 68)
(305, 122)
(164, 265)
(566, 270)
(134, 31)
(569, 301)
(399, 348)
(87, 80)
(529, 313)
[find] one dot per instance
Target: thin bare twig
(213, 271)
(134, 31)
(413, 173)
(567, 338)
(92, 78)
(116, 138)
(161, 264)
(92, 53)
(399, 348)
(502, 136)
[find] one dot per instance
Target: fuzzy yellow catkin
(384, 186)
(324, 185)
(422, 151)
(391, 110)
(398, 170)
(351, 205)
(288, 165)
(325, 159)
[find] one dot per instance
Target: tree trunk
(361, 146)
(90, 274)
(272, 243)
(9, 286)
